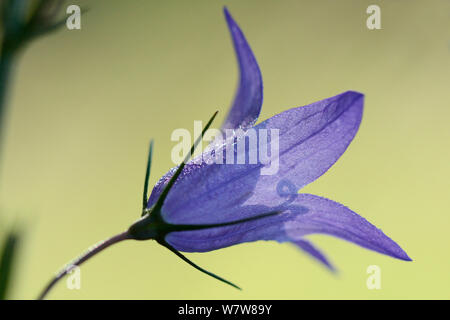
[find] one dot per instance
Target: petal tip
(397, 252)
(404, 256)
(227, 14)
(232, 24)
(331, 268)
(355, 94)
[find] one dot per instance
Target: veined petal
(306, 214)
(247, 102)
(311, 139)
(328, 217)
(248, 99)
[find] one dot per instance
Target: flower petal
(311, 139)
(328, 217)
(306, 214)
(311, 250)
(248, 100)
(247, 103)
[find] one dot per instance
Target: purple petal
(304, 215)
(311, 139)
(328, 217)
(203, 193)
(308, 247)
(248, 100)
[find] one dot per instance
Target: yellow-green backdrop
(85, 104)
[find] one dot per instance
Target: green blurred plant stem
(6, 66)
(7, 257)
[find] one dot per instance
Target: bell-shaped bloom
(310, 140)
(215, 201)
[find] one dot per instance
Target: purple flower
(212, 206)
(204, 205)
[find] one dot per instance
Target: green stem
(7, 257)
(6, 66)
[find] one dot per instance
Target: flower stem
(84, 257)
(6, 64)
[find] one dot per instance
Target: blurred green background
(85, 104)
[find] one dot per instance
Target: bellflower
(203, 205)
